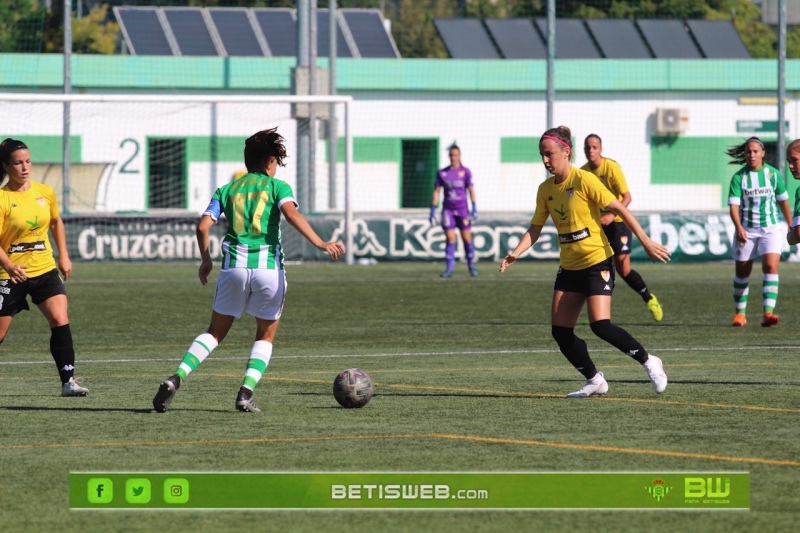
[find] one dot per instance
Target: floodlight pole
(65, 138)
(551, 59)
(781, 87)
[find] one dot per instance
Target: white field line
(413, 354)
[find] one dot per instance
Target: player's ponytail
(259, 147)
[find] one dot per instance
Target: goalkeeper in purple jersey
(456, 181)
(252, 278)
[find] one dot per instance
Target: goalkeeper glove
(474, 215)
(433, 215)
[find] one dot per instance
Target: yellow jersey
(574, 205)
(24, 222)
(610, 173)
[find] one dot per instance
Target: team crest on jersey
(606, 275)
(570, 192)
(460, 173)
(41, 201)
(624, 241)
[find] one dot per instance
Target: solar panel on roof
(572, 39)
(718, 39)
(237, 34)
(618, 39)
(144, 35)
(342, 46)
(279, 29)
(517, 38)
(190, 31)
(466, 39)
(369, 33)
(668, 39)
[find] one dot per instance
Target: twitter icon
(137, 490)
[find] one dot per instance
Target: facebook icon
(100, 490)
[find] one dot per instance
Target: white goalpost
(166, 153)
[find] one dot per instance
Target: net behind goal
(140, 153)
(166, 154)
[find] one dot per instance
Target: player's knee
(604, 329)
(565, 337)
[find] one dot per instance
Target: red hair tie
(556, 139)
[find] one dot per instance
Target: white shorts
(258, 291)
(760, 241)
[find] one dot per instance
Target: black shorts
(593, 281)
(620, 237)
(13, 296)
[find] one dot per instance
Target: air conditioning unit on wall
(671, 120)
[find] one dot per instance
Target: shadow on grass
(419, 395)
(677, 382)
(105, 409)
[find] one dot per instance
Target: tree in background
(413, 30)
(94, 33)
(22, 26)
(25, 26)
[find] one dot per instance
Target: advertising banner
(411, 490)
(690, 237)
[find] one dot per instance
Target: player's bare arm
(202, 232)
(527, 240)
(654, 250)
(299, 222)
(786, 210)
(15, 272)
(741, 234)
(60, 237)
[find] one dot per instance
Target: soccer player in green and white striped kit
(252, 277)
(756, 192)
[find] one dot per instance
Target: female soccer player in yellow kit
(618, 234)
(573, 198)
(28, 210)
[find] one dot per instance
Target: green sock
(769, 292)
(202, 346)
(741, 288)
(257, 364)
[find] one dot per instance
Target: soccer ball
(353, 388)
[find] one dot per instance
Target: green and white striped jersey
(757, 192)
(252, 206)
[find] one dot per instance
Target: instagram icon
(176, 490)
